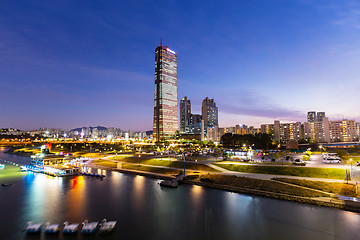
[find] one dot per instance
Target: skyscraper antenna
(161, 42)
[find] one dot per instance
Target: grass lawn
(150, 160)
(258, 184)
(151, 169)
(27, 151)
(331, 173)
(10, 173)
(354, 160)
(105, 163)
(333, 187)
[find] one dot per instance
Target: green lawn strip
(10, 172)
(151, 169)
(331, 187)
(105, 163)
(264, 185)
(355, 159)
(179, 164)
(331, 173)
(164, 163)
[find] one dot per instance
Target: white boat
(53, 228)
(72, 228)
(90, 227)
(107, 226)
(23, 168)
(34, 228)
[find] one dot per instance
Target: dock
(173, 183)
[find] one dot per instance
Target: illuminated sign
(169, 50)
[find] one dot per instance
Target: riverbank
(18, 153)
(258, 188)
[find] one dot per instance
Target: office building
(209, 113)
(185, 114)
(195, 118)
(195, 125)
(165, 95)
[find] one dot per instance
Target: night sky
(67, 64)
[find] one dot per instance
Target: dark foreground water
(144, 210)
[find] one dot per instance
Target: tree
(259, 141)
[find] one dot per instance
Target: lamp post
(184, 165)
(350, 167)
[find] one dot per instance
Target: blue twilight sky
(70, 64)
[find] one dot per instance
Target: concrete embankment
(318, 201)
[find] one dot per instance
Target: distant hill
(98, 128)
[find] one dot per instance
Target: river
(144, 210)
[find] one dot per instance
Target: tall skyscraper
(185, 114)
(209, 113)
(165, 94)
(311, 117)
(320, 116)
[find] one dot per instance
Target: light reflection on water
(144, 210)
(77, 197)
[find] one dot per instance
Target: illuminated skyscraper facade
(165, 95)
(209, 113)
(185, 114)
(311, 117)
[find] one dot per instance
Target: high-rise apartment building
(342, 130)
(283, 132)
(320, 116)
(209, 113)
(267, 128)
(165, 95)
(185, 114)
(311, 117)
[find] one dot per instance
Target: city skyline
(96, 69)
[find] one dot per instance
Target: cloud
(345, 13)
(254, 104)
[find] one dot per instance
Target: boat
(6, 184)
(34, 228)
(23, 168)
(99, 175)
(90, 227)
(107, 226)
(72, 228)
(53, 228)
(169, 183)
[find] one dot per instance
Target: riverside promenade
(332, 200)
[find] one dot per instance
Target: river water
(144, 210)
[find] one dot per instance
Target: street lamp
(350, 166)
(184, 165)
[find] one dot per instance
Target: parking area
(316, 160)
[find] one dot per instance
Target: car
(299, 162)
(331, 160)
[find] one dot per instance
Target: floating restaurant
(52, 164)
